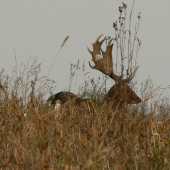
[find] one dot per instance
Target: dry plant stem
(30, 129)
(152, 94)
(129, 41)
(15, 60)
(84, 74)
(120, 35)
(30, 156)
(135, 36)
(49, 114)
(76, 74)
(53, 64)
(94, 107)
(57, 55)
(147, 82)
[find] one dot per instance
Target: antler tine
(96, 48)
(131, 75)
(99, 38)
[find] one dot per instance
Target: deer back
(66, 97)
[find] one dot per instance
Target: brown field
(94, 136)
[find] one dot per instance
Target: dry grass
(90, 137)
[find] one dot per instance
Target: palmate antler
(105, 63)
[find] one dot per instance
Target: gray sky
(38, 28)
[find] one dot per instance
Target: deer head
(120, 94)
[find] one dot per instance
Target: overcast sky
(38, 28)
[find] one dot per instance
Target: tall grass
(89, 137)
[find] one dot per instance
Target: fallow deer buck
(119, 95)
